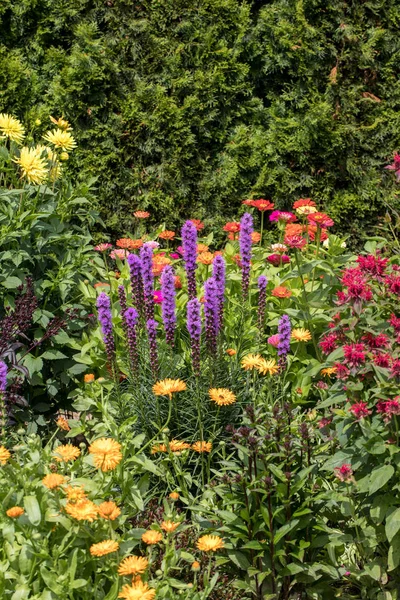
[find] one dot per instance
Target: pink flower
(342, 372)
(354, 354)
(394, 322)
(320, 219)
(295, 241)
(344, 473)
(395, 166)
(382, 360)
(152, 244)
(283, 217)
(175, 256)
(360, 410)
(158, 298)
(393, 283)
(389, 408)
(102, 247)
(373, 265)
(357, 288)
(395, 370)
(329, 342)
(278, 259)
(121, 254)
(376, 341)
(274, 340)
(180, 250)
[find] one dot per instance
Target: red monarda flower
(320, 219)
(395, 369)
(344, 473)
(389, 408)
(354, 354)
(376, 341)
(303, 202)
(357, 288)
(393, 283)
(394, 322)
(395, 166)
(342, 372)
(324, 422)
(329, 342)
(295, 241)
(360, 410)
(232, 227)
(382, 360)
(262, 204)
(373, 265)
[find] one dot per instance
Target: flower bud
(64, 156)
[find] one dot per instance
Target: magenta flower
(395, 166)
(360, 410)
(158, 297)
(344, 473)
(274, 340)
(282, 217)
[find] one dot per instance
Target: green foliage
(182, 105)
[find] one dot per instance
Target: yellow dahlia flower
(103, 548)
(202, 447)
(139, 590)
(12, 128)
(151, 537)
(60, 139)
(268, 366)
(222, 396)
(132, 565)
(15, 512)
(4, 455)
(251, 361)
(106, 453)
(109, 511)
(210, 543)
(33, 166)
(84, 510)
(167, 387)
(66, 453)
(54, 480)
(301, 335)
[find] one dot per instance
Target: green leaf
(113, 593)
(379, 477)
(392, 525)
(33, 364)
(239, 559)
(394, 553)
(32, 509)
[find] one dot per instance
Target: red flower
(232, 227)
(376, 341)
(295, 241)
(324, 422)
(278, 259)
(329, 342)
(342, 372)
(395, 166)
(389, 408)
(394, 322)
(354, 354)
(393, 283)
(357, 288)
(395, 370)
(360, 410)
(198, 224)
(281, 292)
(344, 473)
(373, 265)
(320, 219)
(382, 360)
(303, 202)
(262, 204)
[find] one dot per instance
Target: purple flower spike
(135, 267)
(211, 313)
(189, 241)
(146, 256)
(262, 300)
(104, 315)
(246, 229)
(130, 319)
(168, 304)
(152, 334)
(122, 298)
(219, 269)
(284, 331)
(3, 376)
(194, 329)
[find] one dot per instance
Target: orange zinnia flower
(320, 219)
(53, 481)
(129, 244)
(198, 224)
(109, 510)
(167, 235)
(232, 227)
(201, 248)
(262, 204)
(205, 258)
(303, 202)
(281, 292)
(141, 214)
(255, 237)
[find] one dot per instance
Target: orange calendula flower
(66, 453)
(178, 446)
(129, 244)
(4, 455)
(133, 565)
(88, 378)
(103, 548)
(201, 248)
(141, 214)
(75, 493)
(169, 526)
(151, 537)
(205, 258)
(301, 335)
(137, 591)
(268, 366)
(84, 510)
(222, 396)
(231, 352)
(62, 423)
(53, 480)
(167, 387)
(210, 543)
(329, 371)
(196, 566)
(174, 496)
(109, 510)
(167, 235)
(251, 361)
(106, 453)
(281, 292)
(201, 447)
(15, 512)
(158, 448)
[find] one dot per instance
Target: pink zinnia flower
(152, 244)
(158, 298)
(282, 216)
(344, 473)
(175, 256)
(121, 254)
(274, 340)
(320, 219)
(102, 247)
(295, 241)
(360, 410)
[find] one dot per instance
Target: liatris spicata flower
(211, 313)
(194, 329)
(168, 303)
(246, 229)
(284, 331)
(152, 334)
(262, 299)
(189, 241)
(122, 302)
(3, 376)
(3, 386)
(218, 271)
(130, 318)
(146, 256)
(104, 314)
(135, 267)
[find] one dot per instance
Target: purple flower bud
(146, 256)
(218, 270)
(168, 303)
(3, 376)
(284, 330)
(130, 318)
(262, 300)
(104, 315)
(189, 242)
(211, 313)
(152, 335)
(246, 229)
(194, 329)
(135, 267)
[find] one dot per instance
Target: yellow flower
(231, 351)
(306, 210)
(174, 496)
(268, 366)
(138, 591)
(210, 543)
(84, 510)
(61, 123)
(11, 128)
(109, 510)
(178, 446)
(66, 453)
(106, 453)
(62, 423)
(133, 565)
(61, 139)
(222, 396)
(202, 447)
(33, 166)
(54, 480)
(167, 387)
(15, 512)
(301, 335)
(103, 548)
(329, 371)
(64, 156)
(4, 455)
(251, 361)
(75, 494)
(169, 526)
(151, 537)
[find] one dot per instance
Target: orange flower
(167, 235)
(198, 224)
(106, 453)
(174, 496)
(159, 264)
(201, 248)
(294, 229)
(74, 494)
(141, 214)
(109, 510)
(262, 204)
(158, 448)
(15, 512)
(62, 423)
(255, 237)
(205, 258)
(151, 537)
(196, 566)
(303, 202)
(222, 396)
(138, 591)
(66, 453)
(132, 565)
(231, 352)
(177, 282)
(178, 446)
(129, 244)
(232, 227)
(4, 455)
(53, 481)
(169, 526)
(103, 548)
(233, 236)
(88, 378)
(281, 292)
(84, 510)
(210, 543)
(101, 284)
(201, 447)
(167, 387)
(320, 219)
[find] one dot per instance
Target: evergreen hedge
(188, 106)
